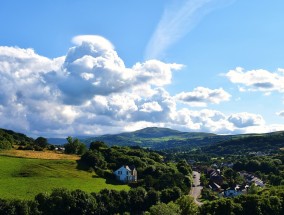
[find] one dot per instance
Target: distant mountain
(56, 141)
(160, 139)
(62, 141)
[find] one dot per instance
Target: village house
(216, 177)
(215, 187)
(126, 174)
(251, 179)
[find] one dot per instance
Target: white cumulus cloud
(91, 91)
(245, 119)
(257, 80)
(201, 96)
(281, 113)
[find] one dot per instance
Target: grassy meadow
(22, 177)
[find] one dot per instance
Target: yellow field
(50, 155)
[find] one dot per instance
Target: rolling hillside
(177, 141)
(244, 144)
(159, 139)
(8, 138)
(23, 178)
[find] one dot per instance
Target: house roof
(129, 168)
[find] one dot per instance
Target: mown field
(23, 178)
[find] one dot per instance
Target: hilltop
(9, 138)
(175, 141)
(158, 138)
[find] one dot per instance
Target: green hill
(159, 139)
(250, 143)
(8, 138)
(177, 141)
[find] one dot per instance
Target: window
(119, 172)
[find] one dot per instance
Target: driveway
(196, 188)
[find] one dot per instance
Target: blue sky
(192, 65)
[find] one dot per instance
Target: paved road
(196, 189)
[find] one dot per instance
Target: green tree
(94, 159)
(187, 205)
(137, 197)
(169, 194)
(41, 142)
(4, 144)
(221, 207)
(62, 201)
(97, 145)
(250, 203)
(167, 209)
(74, 146)
(271, 205)
(152, 198)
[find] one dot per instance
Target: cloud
(241, 120)
(257, 80)
(98, 41)
(201, 96)
(177, 20)
(281, 113)
(151, 107)
(205, 120)
(91, 91)
(95, 68)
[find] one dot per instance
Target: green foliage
(41, 142)
(184, 167)
(8, 138)
(162, 208)
(268, 202)
(187, 205)
(4, 144)
(62, 201)
(208, 194)
(97, 145)
(111, 201)
(74, 146)
(15, 207)
(245, 144)
(221, 207)
(152, 172)
(260, 165)
(137, 197)
(94, 159)
(170, 194)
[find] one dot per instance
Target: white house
(126, 174)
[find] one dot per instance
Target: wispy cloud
(178, 19)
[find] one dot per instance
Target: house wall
(123, 174)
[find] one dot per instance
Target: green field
(23, 178)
